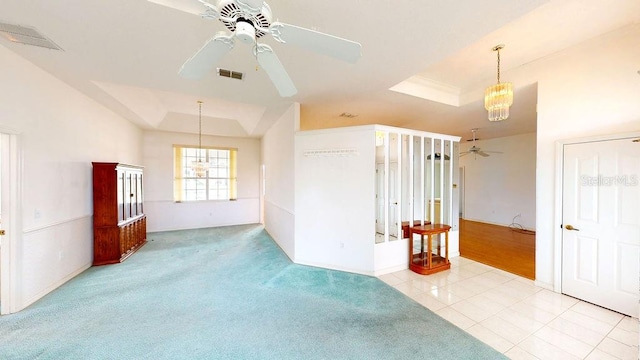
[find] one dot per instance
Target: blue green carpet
(228, 293)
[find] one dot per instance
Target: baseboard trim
(544, 285)
(496, 224)
(54, 286)
(333, 267)
(202, 227)
(391, 269)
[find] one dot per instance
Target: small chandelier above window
(499, 97)
(199, 166)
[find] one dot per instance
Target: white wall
(164, 214)
(278, 161)
(335, 196)
(335, 200)
(590, 89)
(501, 186)
(61, 131)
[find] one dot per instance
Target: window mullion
(208, 175)
(218, 178)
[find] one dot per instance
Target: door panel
(629, 268)
(587, 205)
(601, 197)
(121, 195)
(586, 259)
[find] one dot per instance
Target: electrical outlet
(37, 214)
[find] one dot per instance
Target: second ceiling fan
(249, 20)
(475, 150)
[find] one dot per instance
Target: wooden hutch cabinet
(119, 222)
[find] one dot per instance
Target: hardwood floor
(502, 247)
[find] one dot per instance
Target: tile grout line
(410, 284)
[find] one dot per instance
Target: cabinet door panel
(140, 195)
(127, 196)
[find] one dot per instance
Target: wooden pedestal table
(406, 226)
(426, 262)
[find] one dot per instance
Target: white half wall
(164, 214)
(501, 189)
(60, 132)
(335, 200)
(279, 180)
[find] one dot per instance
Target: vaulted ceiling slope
(126, 55)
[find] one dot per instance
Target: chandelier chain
(498, 50)
(199, 129)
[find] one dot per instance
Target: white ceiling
(126, 54)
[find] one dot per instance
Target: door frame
(10, 173)
(557, 223)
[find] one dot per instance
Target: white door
(601, 223)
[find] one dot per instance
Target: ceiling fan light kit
(499, 97)
(245, 32)
(249, 20)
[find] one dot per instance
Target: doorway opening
(498, 203)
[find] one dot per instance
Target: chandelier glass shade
(199, 166)
(499, 97)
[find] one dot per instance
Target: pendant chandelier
(199, 166)
(499, 97)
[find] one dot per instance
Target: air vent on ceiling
(230, 74)
(26, 35)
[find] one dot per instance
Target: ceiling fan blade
(333, 46)
(464, 153)
(269, 61)
(482, 153)
(188, 6)
(203, 61)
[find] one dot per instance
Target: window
(219, 181)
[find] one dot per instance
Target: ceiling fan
(249, 20)
(476, 150)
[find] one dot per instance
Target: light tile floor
(517, 318)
